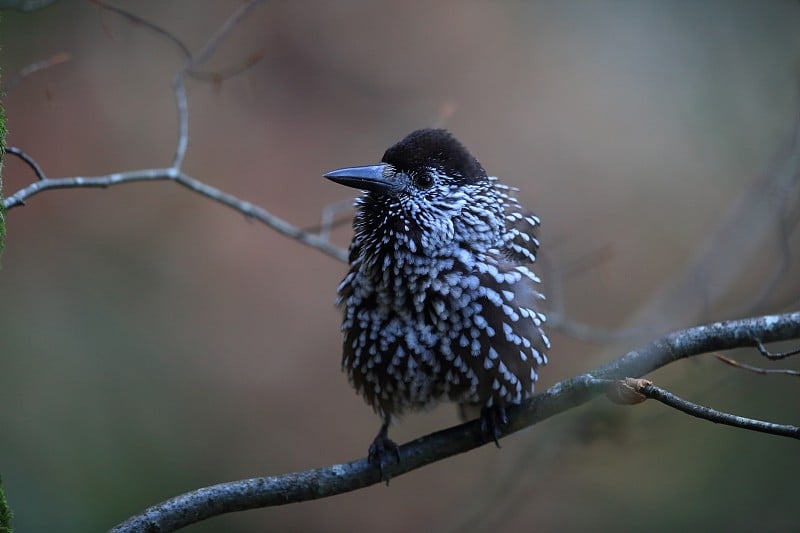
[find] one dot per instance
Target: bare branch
(163, 174)
(178, 82)
(44, 183)
(718, 417)
(254, 493)
(190, 62)
(328, 220)
(262, 215)
(147, 24)
(756, 369)
(34, 67)
(174, 173)
(774, 356)
(208, 76)
(31, 162)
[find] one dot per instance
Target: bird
(440, 302)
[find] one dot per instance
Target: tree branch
(706, 413)
(56, 59)
(774, 356)
(174, 173)
(171, 174)
(178, 82)
(317, 483)
(756, 369)
(28, 160)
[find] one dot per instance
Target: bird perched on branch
(439, 303)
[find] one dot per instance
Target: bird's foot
(382, 452)
(493, 420)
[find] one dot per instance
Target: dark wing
(520, 239)
(496, 358)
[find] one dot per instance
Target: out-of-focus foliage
(5, 512)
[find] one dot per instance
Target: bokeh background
(152, 342)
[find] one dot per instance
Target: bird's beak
(376, 178)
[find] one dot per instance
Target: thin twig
(718, 417)
(208, 50)
(190, 62)
(31, 162)
(147, 24)
(174, 173)
(756, 369)
(774, 356)
(12, 82)
(227, 72)
(328, 220)
(254, 493)
(207, 76)
(557, 319)
(178, 82)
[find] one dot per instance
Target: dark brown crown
(434, 148)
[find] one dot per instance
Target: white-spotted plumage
(439, 303)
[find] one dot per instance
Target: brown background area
(152, 342)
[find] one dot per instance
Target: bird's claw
(382, 452)
(493, 420)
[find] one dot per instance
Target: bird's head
(428, 191)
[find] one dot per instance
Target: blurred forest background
(153, 342)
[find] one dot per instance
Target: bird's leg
(493, 420)
(382, 448)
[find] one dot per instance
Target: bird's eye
(424, 181)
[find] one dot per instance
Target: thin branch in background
(588, 333)
(145, 23)
(589, 260)
(218, 76)
(200, 75)
(204, 503)
(767, 197)
(31, 162)
(557, 319)
(173, 173)
(262, 215)
(774, 356)
(190, 62)
(720, 262)
(706, 413)
(170, 174)
(758, 370)
(12, 82)
(786, 220)
(178, 82)
(328, 220)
